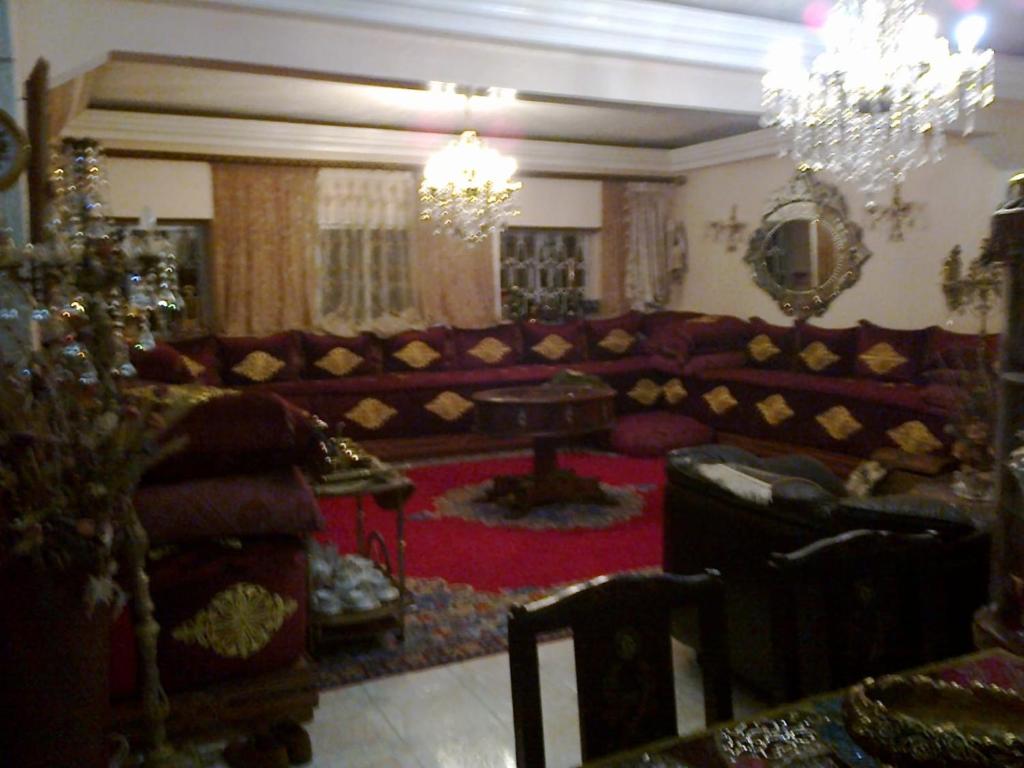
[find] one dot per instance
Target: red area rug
(464, 573)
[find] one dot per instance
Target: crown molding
(761, 143)
(635, 28)
(232, 137)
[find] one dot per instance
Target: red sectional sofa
(847, 391)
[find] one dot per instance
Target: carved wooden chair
(623, 647)
(858, 604)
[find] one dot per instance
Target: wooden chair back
(621, 627)
(858, 604)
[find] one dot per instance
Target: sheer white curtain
(364, 251)
(655, 245)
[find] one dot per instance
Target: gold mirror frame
(829, 209)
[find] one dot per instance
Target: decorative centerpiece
(922, 722)
(72, 451)
(973, 422)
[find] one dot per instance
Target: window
(543, 273)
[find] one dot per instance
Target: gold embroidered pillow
(426, 350)
(495, 347)
(887, 354)
(261, 359)
(554, 344)
(771, 346)
(615, 337)
(335, 357)
(825, 351)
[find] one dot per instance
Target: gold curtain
(264, 240)
(454, 282)
(614, 231)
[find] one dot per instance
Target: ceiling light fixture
(878, 101)
(467, 187)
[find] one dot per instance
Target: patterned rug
(467, 564)
(445, 623)
(467, 503)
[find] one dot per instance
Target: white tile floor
(460, 715)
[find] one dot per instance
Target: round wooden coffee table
(550, 414)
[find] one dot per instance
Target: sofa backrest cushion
(946, 350)
(163, 364)
(615, 337)
(261, 359)
(494, 347)
(202, 357)
(426, 350)
(716, 333)
(554, 343)
(825, 351)
(887, 354)
(336, 357)
(771, 346)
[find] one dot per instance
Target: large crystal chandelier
(878, 101)
(467, 189)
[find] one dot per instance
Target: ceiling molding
(762, 143)
(639, 28)
(230, 137)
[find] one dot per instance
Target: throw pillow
(554, 343)
(825, 351)
(162, 364)
(945, 349)
(887, 354)
(202, 358)
(716, 333)
(494, 347)
(615, 337)
(426, 350)
(335, 357)
(261, 359)
(771, 346)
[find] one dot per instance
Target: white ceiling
(1006, 17)
(179, 89)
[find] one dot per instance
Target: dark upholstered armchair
(793, 502)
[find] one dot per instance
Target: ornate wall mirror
(806, 251)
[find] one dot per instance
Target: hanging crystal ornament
(467, 189)
(878, 101)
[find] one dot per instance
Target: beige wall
(899, 285)
(171, 189)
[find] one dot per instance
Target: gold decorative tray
(926, 723)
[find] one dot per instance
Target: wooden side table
(390, 492)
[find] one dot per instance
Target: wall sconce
(731, 229)
(898, 214)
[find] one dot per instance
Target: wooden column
(1001, 623)
(37, 123)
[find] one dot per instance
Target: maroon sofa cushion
(945, 349)
(250, 504)
(825, 351)
(496, 347)
(714, 360)
(247, 432)
(614, 337)
(887, 354)
(665, 332)
(655, 433)
(554, 343)
(716, 333)
(771, 347)
(258, 359)
(202, 357)
(162, 364)
(426, 350)
(185, 583)
(334, 357)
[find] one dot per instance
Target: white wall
(899, 284)
(171, 189)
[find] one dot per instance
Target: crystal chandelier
(467, 189)
(878, 101)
